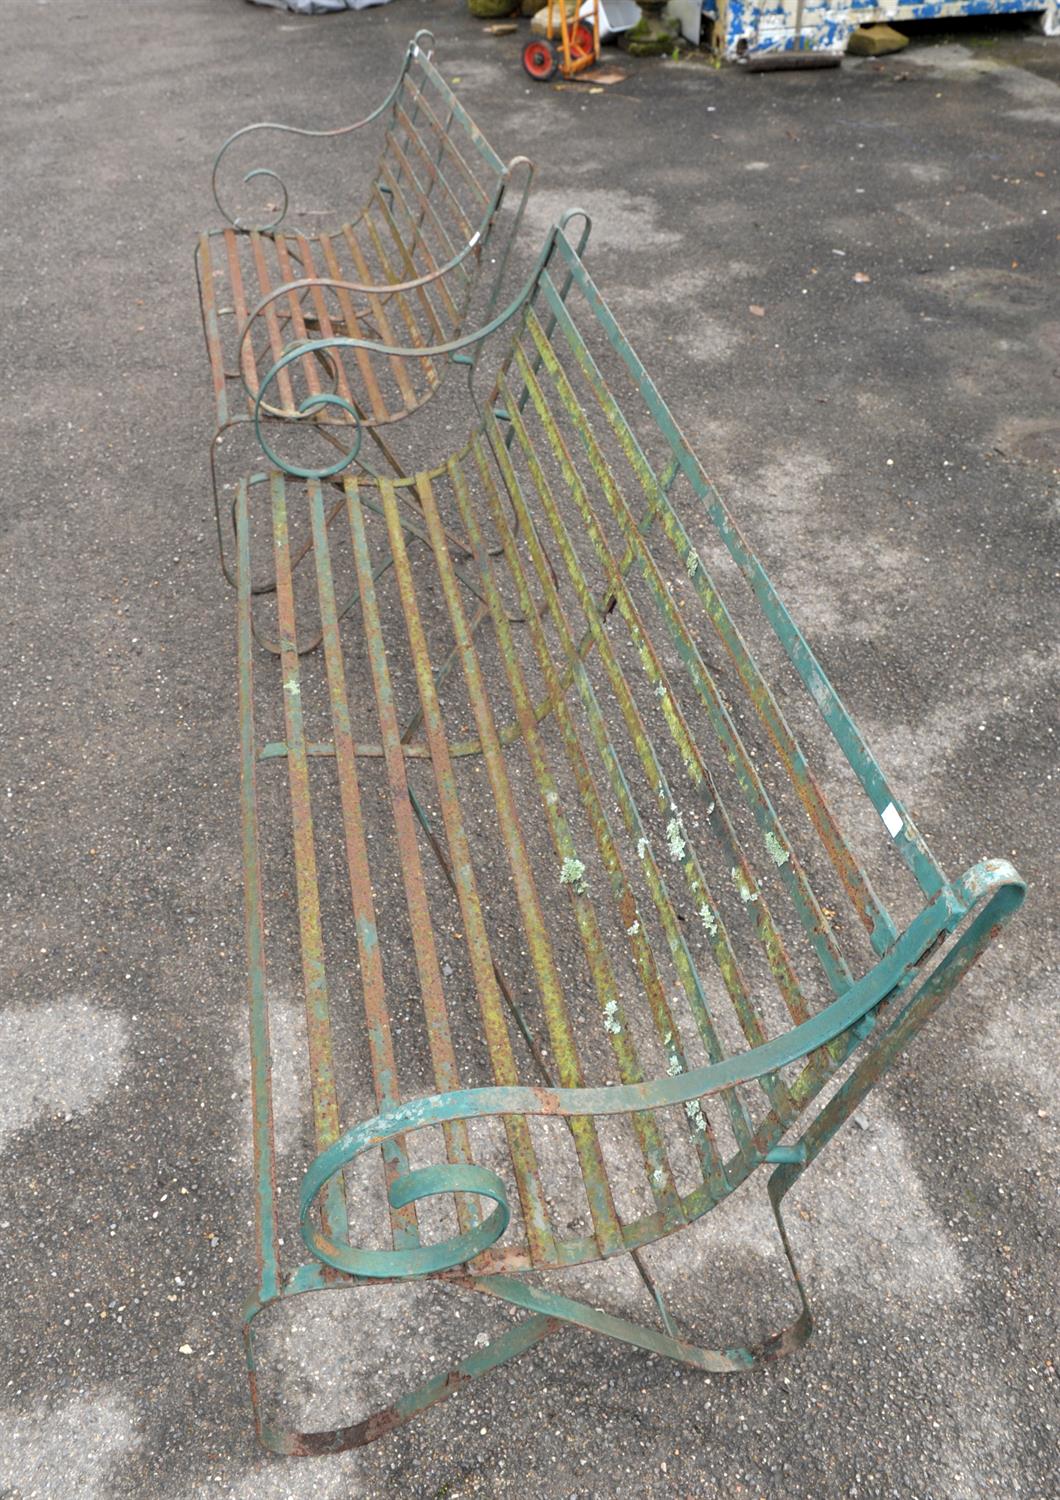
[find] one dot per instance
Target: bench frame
(331, 400)
(870, 1023)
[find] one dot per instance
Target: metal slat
(464, 223)
(615, 1022)
(355, 331)
(323, 318)
(564, 1048)
(457, 112)
(908, 841)
(272, 322)
(535, 1212)
(682, 958)
(751, 1022)
(373, 984)
(419, 241)
(212, 329)
(444, 134)
(428, 969)
(318, 1015)
(644, 959)
(399, 299)
(855, 881)
(411, 271)
(267, 1230)
(378, 305)
(246, 359)
(790, 870)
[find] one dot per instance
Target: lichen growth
(573, 874)
(612, 1024)
(742, 885)
(695, 1115)
(673, 1067)
(777, 853)
(633, 928)
(692, 563)
(709, 920)
(660, 689)
(642, 847)
(675, 839)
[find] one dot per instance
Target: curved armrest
(389, 288)
(422, 43)
(452, 350)
(892, 971)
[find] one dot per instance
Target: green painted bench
(402, 270)
(535, 832)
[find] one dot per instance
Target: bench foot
(732, 1361)
(291, 1443)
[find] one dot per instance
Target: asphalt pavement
(846, 283)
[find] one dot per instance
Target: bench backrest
(437, 189)
(664, 621)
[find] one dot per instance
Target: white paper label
(892, 820)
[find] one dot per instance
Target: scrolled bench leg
(733, 1361)
(293, 1443)
(994, 882)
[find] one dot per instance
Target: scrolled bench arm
(321, 347)
(994, 879)
(383, 289)
(422, 43)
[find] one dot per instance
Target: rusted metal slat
(373, 983)
(415, 333)
(906, 838)
(288, 272)
(433, 79)
(564, 1048)
(377, 304)
(267, 1231)
(272, 322)
(323, 317)
(684, 963)
(355, 330)
(666, 1024)
(246, 359)
(212, 329)
(753, 896)
(464, 223)
(784, 857)
(428, 969)
(616, 1025)
(418, 240)
(535, 1212)
(855, 881)
(405, 251)
(750, 1019)
(445, 136)
(318, 1016)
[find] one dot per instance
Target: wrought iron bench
(403, 270)
(541, 838)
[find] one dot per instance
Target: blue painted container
(776, 32)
